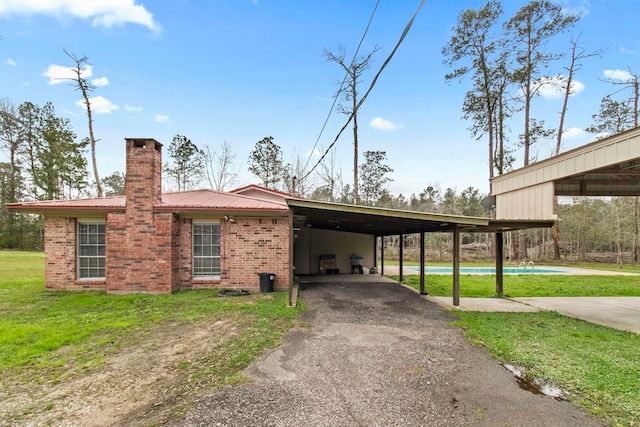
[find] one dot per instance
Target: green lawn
(527, 285)
(595, 366)
(36, 323)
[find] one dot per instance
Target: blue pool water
(492, 270)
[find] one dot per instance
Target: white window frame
(206, 249)
(91, 261)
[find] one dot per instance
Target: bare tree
(219, 168)
(348, 90)
(577, 55)
(85, 88)
(328, 176)
(294, 179)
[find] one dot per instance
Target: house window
(91, 250)
(206, 250)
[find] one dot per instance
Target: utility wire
(373, 82)
(335, 99)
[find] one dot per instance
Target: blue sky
(240, 70)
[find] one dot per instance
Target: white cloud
(106, 13)
(100, 81)
(581, 10)
(315, 153)
(161, 118)
(384, 124)
(619, 75)
(99, 105)
(553, 87)
(132, 108)
(58, 73)
(572, 132)
(626, 51)
(9, 61)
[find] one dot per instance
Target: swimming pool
(492, 270)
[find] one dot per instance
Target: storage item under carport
(356, 264)
(328, 264)
(266, 282)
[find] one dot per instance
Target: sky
(241, 70)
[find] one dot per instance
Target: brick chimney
(143, 184)
(140, 241)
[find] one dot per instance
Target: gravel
(377, 354)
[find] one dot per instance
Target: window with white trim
(91, 250)
(206, 249)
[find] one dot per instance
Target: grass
(527, 285)
(35, 324)
(595, 366)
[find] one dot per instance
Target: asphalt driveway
(373, 353)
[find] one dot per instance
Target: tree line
(47, 162)
(506, 61)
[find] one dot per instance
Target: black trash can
(266, 282)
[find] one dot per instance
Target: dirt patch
(146, 382)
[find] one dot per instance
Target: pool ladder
(525, 265)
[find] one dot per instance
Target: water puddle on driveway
(534, 385)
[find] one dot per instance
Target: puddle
(534, 385)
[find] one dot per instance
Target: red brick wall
(252, 246)
(116, 243)
(248, 246)
(59, 252)
(60, 247)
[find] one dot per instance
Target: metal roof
(181, 201)
(386, 222)
(218, 200)
(606, 167)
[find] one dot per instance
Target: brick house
(154, 242)
(147, 241)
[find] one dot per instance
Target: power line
(335, 99)
(373, 82)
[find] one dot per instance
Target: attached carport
(381, 222)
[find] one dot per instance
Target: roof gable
(253, 190)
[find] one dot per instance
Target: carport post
(422, 291)
(400, 255)
(291, 300)
(382, 255)
(456, 267)
(499, 260)
(375, 251)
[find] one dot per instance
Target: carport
(382, 222)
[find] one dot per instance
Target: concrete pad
(484, 304)
(616, 312)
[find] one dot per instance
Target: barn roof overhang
(606, 167)
(386, 222)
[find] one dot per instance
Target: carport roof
(385, 222)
